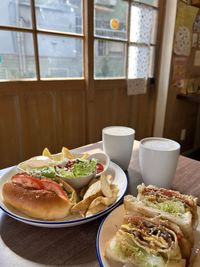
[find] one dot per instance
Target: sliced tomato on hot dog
(27, 181)
(54, 187)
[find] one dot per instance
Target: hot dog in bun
(41, 198)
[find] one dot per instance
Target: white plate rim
(98, 253)
(74, 222)
(99, 232)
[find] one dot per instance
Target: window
(44, 39)
(115, 49)
(110, 31)
(142, 39)
(45, 43)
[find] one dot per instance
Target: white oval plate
(108, 228)
(120, 179)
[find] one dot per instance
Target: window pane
(149, 2)
(142, 22)
(110, 19)
(138, 62)
(59, 15)
(109, 60)
(16, 55)
(60, 57)
(15, 13)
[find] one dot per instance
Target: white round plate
(120, 179)
(108, 228)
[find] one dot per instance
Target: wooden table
(28, 246)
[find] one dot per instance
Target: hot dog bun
(40, 198)
(40, 204)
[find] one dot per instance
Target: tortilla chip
(105, 185)
(96, 209)
(93, 189)
(85, 156)
(66, 153)
(82, 206)
(114, 189)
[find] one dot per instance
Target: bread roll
(40, 204)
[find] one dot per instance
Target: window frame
(35, 32)
(127, 41)
(87, 36)
(151, 45)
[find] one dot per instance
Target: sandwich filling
(147, 233)
(145, 243)
(168, 200)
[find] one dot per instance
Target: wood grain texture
(10, 133)
(35, 115)
(70, 115)
(114, 107)
(64, 113)
(180, 115)
(37, 119)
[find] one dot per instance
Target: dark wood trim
(89, 65)
(40, 31)
(194, 98)
(110, 39)
(35, 40)
(57, 33)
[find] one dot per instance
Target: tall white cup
(118, 144)
(158, 158)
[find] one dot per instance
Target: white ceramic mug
(158, 158)
(118, 144)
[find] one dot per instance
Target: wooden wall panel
(35, 115)
(180, 115)
(53, 114)
(112, 106)
(38, 122)
(70, 118)
(10, 133)
(142, 113)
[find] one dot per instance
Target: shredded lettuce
(171, 206)
(84, 167)
(80, 168)
(46, 172)
(64, 174)
(126, 248)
